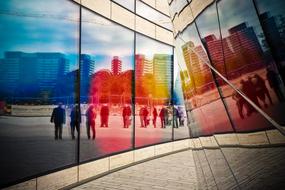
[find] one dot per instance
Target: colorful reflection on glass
(38, 57)
(106, 87)
(153, 76)
(200, 92)
(249, 66)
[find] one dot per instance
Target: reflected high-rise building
(272, 33)
(116, 65)
(194, 57)
(245, 45)
(215, 50)
(162, 69)
(34, 73)
(87, 66)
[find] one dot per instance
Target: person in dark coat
(162, 119)
(274, 83)
(75, 120)
(240, 102)
(154, 113)
(261, 89)
(104, 114)
(175, 117)
(58, 118)
(141, 116)
(127, 112)
(247, 88)
(90, 121)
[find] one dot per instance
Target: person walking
(175, 117)
(141, 116)
(90, 121)
(161, 115)
(154, 113)
(274, 83)
(58, 118)
(104, 114)
(145, 117)
(261, 89)
(127, 112)
(75, 120)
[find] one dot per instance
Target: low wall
(25, 110)
(93, 169)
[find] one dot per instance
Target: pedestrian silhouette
(58, 118)
(261, 89)
(127, 112)
(154, 113)
(75, 120)
(274, 83)
(90, 121)
(104, 114)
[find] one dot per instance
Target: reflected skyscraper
(116, 65)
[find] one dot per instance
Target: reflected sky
(47, 27)
(103, 39)
(149, 47)
(275, 7)
(232, 13)
(129, 4)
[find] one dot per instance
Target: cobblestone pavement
(176, 171)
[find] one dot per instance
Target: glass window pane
(129, 4)
(206, 112)
(249, 66)
(106, 87)
(153, 91)
(36, 74)
(151, 14)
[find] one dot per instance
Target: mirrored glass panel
(153, 15)
(206, 112)
(38, 60)
(106, 71)
(153, 78)
(248, 65)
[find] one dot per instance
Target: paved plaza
(226, 168)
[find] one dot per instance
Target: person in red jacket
(127, 112)
(104, 114)
(154, 113)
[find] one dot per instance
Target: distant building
(116, 65)
(273, 36)
(162, 72)
(195, 58)
(31, 74)
(245, 45)
(87, 66)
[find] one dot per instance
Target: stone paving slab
(176, 171)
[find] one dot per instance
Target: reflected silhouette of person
(127, 112)
(180, 116)
(58, 118)
(240, 102)
(274, 83)
(162, 119)
(145, 117)
(141, 116)
(104, 114)
(75, 120)
(247, 88)
(261, 89)
(90, 121)
(175, 117)
(154, 113)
